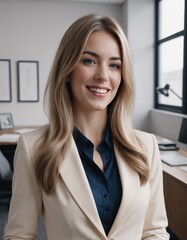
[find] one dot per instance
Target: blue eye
(116, 66)
(88, 61)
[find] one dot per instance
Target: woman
(88, 172)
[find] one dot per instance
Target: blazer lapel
(74, 177)
(130, 185)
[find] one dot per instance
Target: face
(96, 78)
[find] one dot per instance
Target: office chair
(5, 180)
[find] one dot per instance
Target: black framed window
(171, 54)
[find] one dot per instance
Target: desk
(175, 192)
(8, 148)
(16, 130)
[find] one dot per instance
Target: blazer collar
(73, 174)
(130, 184)
(74, 177)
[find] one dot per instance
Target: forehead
(103, 42)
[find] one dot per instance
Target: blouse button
(106, 196)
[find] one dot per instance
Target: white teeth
(98, 90)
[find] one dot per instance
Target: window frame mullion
(185, 61)
(158, 42)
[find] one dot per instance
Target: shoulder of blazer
(32, 137)
(145, 137)
(148, 140)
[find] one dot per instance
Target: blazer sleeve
(26, 202)
(156, 219)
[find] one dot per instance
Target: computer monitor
(183, 131)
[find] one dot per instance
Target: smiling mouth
(98, 90)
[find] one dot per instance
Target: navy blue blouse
(106, 186)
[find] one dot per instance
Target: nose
(102, 73)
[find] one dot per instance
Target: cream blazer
(70, 212)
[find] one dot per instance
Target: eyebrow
(97, 56)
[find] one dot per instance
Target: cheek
(117, 82)
(74, 83)
(77, 82)
(74, 75)
(79, 76)
(75, 79)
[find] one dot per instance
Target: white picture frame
(5, 81)
(6, 121)
(28, 81)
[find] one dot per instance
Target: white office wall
(140, 25)
(31, 30)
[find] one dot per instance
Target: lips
(98, 90)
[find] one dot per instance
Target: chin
(98, 107)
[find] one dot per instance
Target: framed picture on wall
(5, 81)
(6, 121)
(28, 81)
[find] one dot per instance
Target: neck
(92, 125)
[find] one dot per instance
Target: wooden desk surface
(14, 131)
(175, 193)
(175, 171)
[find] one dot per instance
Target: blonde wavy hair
(55, 140)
